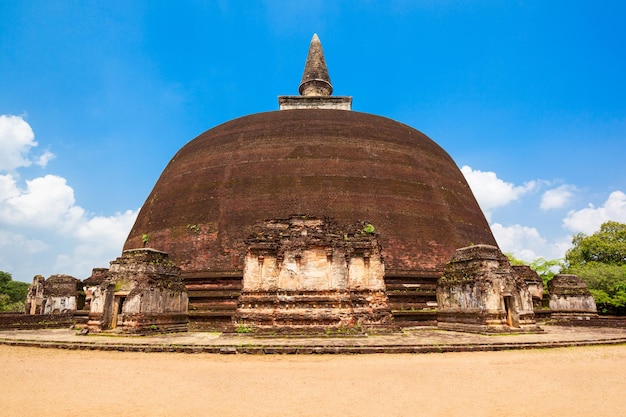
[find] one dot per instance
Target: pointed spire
(315, 80)
(315, 87)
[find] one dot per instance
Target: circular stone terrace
(416, 340)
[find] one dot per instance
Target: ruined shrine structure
(570, 299)
(59, 294)
(309, 274)
(480, 292)
(141, 292)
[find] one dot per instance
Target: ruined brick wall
(34, 297)
(310, 272)
(91, 285)
(17, 321)
(533, 282)
(304, 254)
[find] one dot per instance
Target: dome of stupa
(312, 158)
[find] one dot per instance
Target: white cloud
(527, 243)
(522, 241)
(74, 241)
(43, 159)
(16, 142)
(99, 241)
(546, 239)
(77, 240)
(15, 248)
(8, 187)
(42, 229)
(557, 197)
(46, 202)
(19, 241)
(589, 220)
(491, 192)
(110, 230)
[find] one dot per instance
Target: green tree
(600, 260)
(12, 293)
(514, 261)
(545, 268)
(607, 246)
(4, 278)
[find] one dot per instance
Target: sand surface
(584, 381)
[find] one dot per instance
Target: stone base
(138, 323)
(565, 316)
(480, 292)
(315, 102)
(95, 322)
(481, 322)
(310, 312)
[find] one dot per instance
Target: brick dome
(345, 165)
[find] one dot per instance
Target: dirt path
(557, 382)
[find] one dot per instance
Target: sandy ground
(584, 381)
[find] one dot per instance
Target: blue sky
(528, 97)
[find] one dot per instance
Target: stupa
(314, 157)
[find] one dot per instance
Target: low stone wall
(599, 321)
(20, 321)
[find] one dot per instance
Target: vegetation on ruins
(243, 329)
(369, 228)
(600, 260)
(545, 268)
(193, 228)
(12, 293)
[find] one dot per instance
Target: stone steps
(213, 300)
(414, 318)
(216, 293)
(412, 299)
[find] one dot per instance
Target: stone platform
(416, 340)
